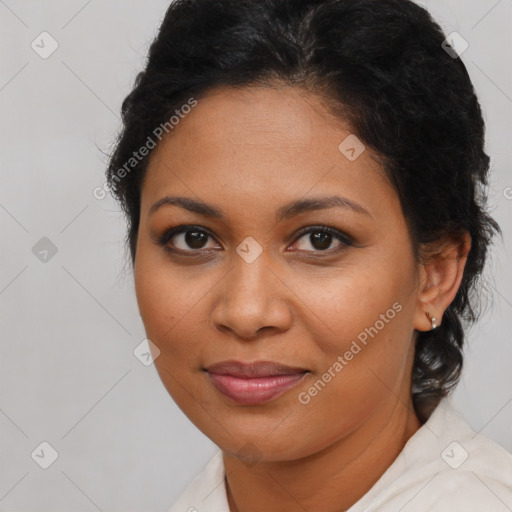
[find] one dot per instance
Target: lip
(254, 383)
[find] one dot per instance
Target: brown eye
(321, 239)
(193, 239)
(186, 239)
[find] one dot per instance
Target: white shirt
(444, 467)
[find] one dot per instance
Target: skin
(249, 152)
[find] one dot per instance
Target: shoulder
(445, 466)
(464, 491)
(206, 492)
(439, 489)
(477, 476)
(469, 471)
(467, 453)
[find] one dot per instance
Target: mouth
(254, 383)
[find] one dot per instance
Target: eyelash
(163, 240)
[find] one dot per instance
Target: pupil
(195, 239)
(322, 237)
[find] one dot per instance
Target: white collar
(437, 446)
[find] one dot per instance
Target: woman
(303, 185)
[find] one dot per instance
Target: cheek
(172, 304)
(167, 304)
(365, 341)
(163, 298)
(359, 302)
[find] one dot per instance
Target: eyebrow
(285, 212)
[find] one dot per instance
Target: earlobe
(440, 280)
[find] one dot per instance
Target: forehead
(292, 112)
(260, 143)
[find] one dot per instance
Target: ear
(440, 278)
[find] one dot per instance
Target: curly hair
(381, 66)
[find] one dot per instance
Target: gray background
(68, 375)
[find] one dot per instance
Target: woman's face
(248, 285)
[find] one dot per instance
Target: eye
(185, 239)
(320, 239)
(194, 239)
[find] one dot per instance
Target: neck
(331, 480)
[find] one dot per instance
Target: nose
(252, 299)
